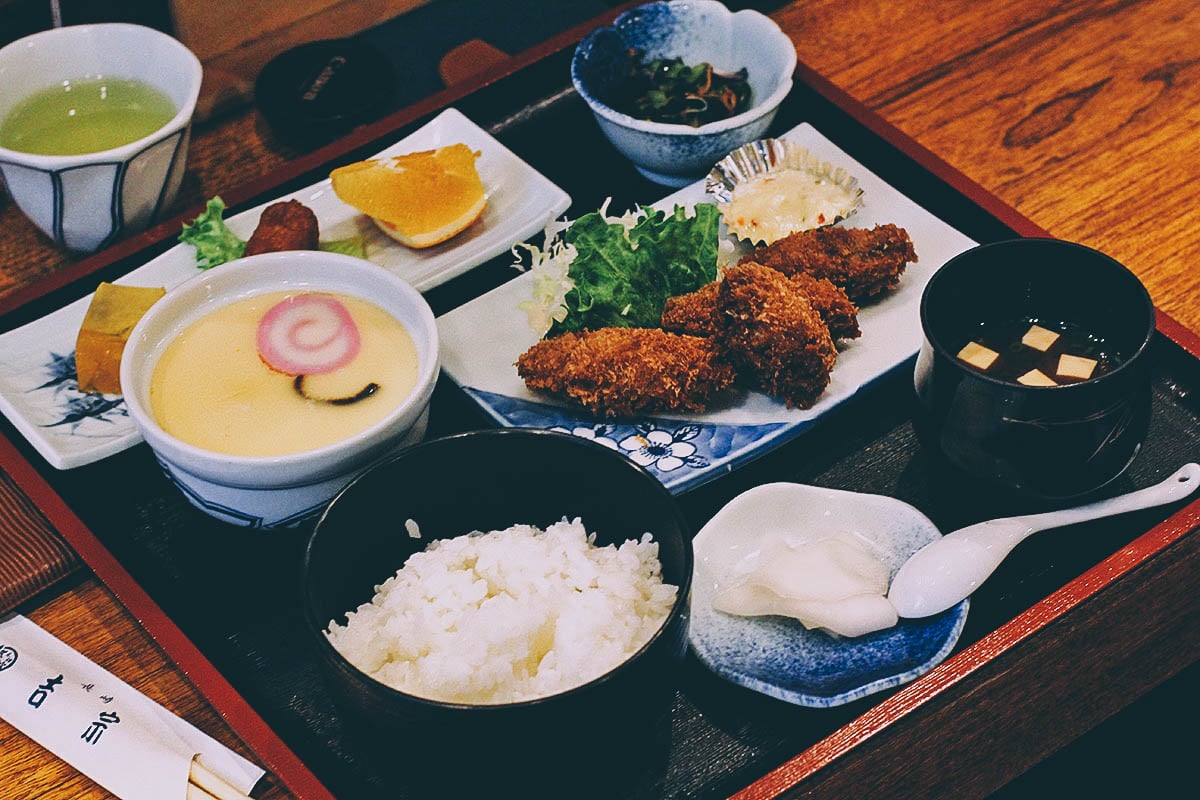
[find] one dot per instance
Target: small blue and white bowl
(284, 490)
(696, 31)
(87, 201)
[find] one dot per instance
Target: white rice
(509, 615)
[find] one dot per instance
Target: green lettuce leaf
(214, 242)
(622, 274)
(350, 246)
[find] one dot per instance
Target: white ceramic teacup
(85, 202)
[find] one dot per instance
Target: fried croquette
(288, 225)
(694, 313)
(698, 313)
(624, 371)
(866, 262)
(776, 337)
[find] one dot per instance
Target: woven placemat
(33, 557)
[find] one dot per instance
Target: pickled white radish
(832, 583)
(830, 568)
(853, 615)
(307, 334)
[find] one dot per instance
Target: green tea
(85, 116)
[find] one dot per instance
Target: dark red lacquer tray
(1064, 617)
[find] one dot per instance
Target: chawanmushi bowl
(696, 31)
(1049, 442)
(280, 490)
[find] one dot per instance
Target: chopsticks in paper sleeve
(105, 728)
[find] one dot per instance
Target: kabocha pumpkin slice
(113, 312)
(419, 199)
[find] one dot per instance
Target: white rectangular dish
(70, 428)
(482, 339)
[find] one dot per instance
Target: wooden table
(1080, 114)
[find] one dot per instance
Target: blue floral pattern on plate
(67, 404)
(38, 378)
(681, 454)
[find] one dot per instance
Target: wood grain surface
(1081, 114)
(232, 55)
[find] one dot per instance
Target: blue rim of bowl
(956, 615)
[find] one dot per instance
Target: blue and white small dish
(778, 656)
(696, 31)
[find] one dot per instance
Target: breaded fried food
(288, 225)
(866, 262)
(694, 313)
(778, 340)
(624, 371)
(697, 313)
(832, 303)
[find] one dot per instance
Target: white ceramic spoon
(949, 569)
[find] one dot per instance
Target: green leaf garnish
(214, 242)
(350, 246)
(622, 270)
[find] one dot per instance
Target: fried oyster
(624, 371)
(865, 262)
(694, 313)
(698, 313)
(777, 339)
(832, 303)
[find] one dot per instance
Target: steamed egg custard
(283, 372)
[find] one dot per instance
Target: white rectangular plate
(482, 339)
(38, 390)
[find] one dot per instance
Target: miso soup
(1039, 352)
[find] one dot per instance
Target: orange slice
(419, 199)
